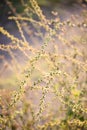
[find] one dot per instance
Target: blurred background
(64, 8)
(15, 7)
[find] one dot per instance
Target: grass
(50, 90)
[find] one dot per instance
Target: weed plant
(51, 89)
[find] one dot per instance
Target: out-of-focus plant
(52, 81)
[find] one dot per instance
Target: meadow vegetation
(44, 82)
